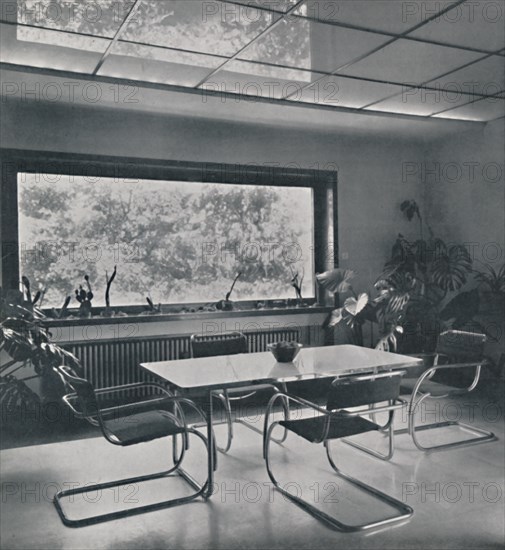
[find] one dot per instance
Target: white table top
(245, 369)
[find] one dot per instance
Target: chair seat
(311, 429)
(146, 426)
(428, 386)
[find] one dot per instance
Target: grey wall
(465, 190)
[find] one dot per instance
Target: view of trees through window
(176, 242)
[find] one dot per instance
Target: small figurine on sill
(84, 298)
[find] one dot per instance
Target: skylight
(336, 53)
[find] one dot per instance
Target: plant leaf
(355, 306)
(450, 269)
(336, 280)
(336, 317)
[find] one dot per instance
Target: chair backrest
(83, 389)
(208, 345)
(356, 391)
(461, 346)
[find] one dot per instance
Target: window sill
(197, 315)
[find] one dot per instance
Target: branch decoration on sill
(151, 308)
(63, 311)
(296, 283)
(107, 289)
(227, 304)
(27, 295)
(108, 311)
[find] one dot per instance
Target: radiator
(116, 362)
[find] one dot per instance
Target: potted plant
(26, 354)
(345, 324)
(432, 274)
(492, 307)
(492, 282)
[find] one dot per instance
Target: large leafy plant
(25, 346)
(431, 275)
(385, 309)
(493, 279)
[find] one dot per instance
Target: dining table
(222, 372)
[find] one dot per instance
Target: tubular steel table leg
(211, 443)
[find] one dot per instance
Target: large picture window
(172, 241)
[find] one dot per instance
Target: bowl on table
(285, 352)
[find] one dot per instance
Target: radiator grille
(116, 362)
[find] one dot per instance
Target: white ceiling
(364, 55)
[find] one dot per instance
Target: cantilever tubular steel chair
(123, 425)
(335, 422)
(463, 354)
(230, 343)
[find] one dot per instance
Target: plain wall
(465, 191)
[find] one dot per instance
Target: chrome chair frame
(387, 428)
(418, 396)
(98, 417)
(225, 397)
(404, 510)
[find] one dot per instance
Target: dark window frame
(322, 182)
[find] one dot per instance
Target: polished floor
(457, 496)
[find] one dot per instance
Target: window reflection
(98, 18)
(206, 27)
